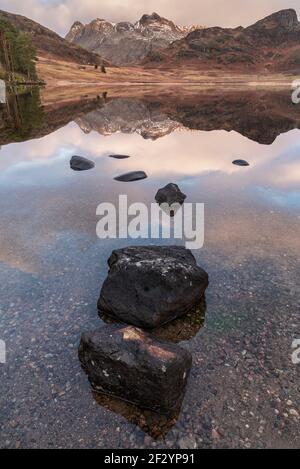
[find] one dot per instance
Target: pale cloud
(60, 14)
(275, 166)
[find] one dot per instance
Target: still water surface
(244, 388)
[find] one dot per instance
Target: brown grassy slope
(62, 73)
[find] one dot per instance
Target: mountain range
(126, 43)
(271, 44)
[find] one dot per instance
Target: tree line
(17, 53)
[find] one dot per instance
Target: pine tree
(17, 53)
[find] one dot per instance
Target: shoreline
(58, 73)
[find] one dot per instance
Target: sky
(59, 15)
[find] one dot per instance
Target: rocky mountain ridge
(127, 43)
(272, 43)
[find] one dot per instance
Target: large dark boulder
(79, 163)
(148, 286)
(170, 194)
(128, 363)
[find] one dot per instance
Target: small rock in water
(119, 157)
(130, 177)
(170, 194)
(148, 286)
(130, 364)
(187, 442)
(240, 162)
(79, 163)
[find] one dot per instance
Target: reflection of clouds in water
(59, 143)
(285, 169)
(42, 198)
(183, 153)
(32, 173)
(282, 199)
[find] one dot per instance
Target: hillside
(271, 44)
(49, 43)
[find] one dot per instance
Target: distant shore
(57, 73)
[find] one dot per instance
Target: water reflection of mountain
(129, 115)
(258, 115)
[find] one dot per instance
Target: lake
(243, 390)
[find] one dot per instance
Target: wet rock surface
(170, 194)
(119, 157)
(131, 364)
(184, 328)
(131, 177)
(179, 330)
(148, 286)
(79, 163)
(240, 163)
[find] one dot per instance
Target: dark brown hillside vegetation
(270, 44)
(258, 115)
(49, 43)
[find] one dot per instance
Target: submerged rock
(79, 163)
(153, 424)
(148, 286)
(128, 363)
(184, 328)
(179, 330)
(170, 194)
(119, 157)
(241, 163)
(132, 176)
